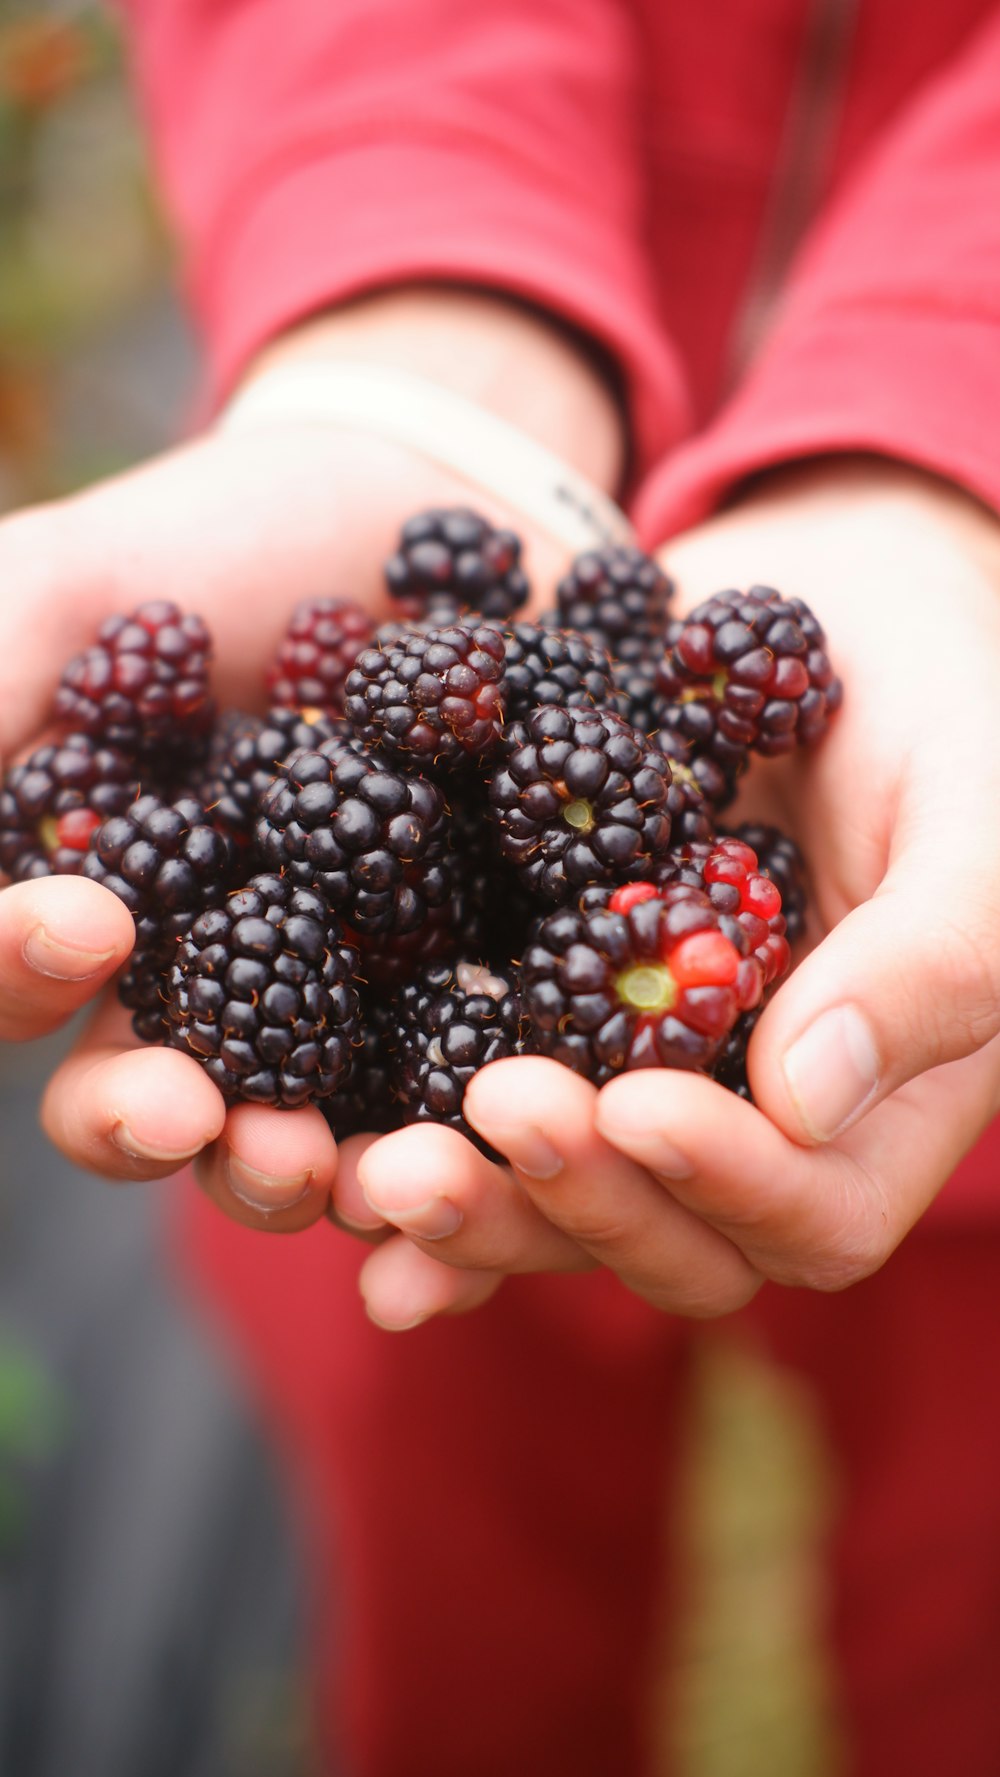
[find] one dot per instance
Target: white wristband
(484, 450)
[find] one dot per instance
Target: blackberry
(167, 863)
(434, 698)
(754, 666)
(52, 804)
(552, 666)
(692, 763)
(636, 688)
(458, 921)
(262, 993)
(619, 598)
(370, 839)
(144, 684)
(452, 1020)
(655, 978)
(731, 1068)
(323, 639)
(363, 1103)
(452, 556)
(244, 757)
(581, 797)
(726, 869)
(779, 858)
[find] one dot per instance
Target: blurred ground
(156, 1629)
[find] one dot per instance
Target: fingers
(270, 1170)
(128, 1111)
(61, 938)
(820, 1218)
(402, 1286)
(542, 1119)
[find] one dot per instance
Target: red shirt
(781, 219)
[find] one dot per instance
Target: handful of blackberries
(451, 839)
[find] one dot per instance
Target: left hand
(877, 1065)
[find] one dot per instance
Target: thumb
(907, 981)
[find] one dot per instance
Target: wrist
(511, 360)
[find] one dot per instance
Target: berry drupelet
(453, 557)
(434, 698)
(144, 683)
(244, 755)
(619, 598)
(731, 1068)
(750, 670)
(653, 978)
(53, 803)
(452, 1020)
(363, 1103)
(553, 666)
(261, 992)
(323, 639)
(580, 797)
(370, 839)
(779, 857)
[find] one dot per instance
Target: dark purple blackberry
(692, 764)
(449, 556)
(452, 1020)
(167, 863)
(364, 1103)
(752, 667)
(651, 980)
(323, 639)
(581, 797)
(458, 922)
(52, 804)
(262, 993)
(731, 1068)
(780, 858)
(144, 684)
(244, 757)
(370, 839)
(619, 598)
(552, 666)
(635, 684)
(434, 699)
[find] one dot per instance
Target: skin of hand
(877, 1064)
(240, 527)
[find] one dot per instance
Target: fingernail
(832, 1072)
(527, 1149)
(262, 1191)
(649, 1148)
(433, 1220)
(61, 962)
(136, 1149)
(395, 1326)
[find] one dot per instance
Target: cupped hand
(877, 1064)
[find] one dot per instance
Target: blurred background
(150, 1602)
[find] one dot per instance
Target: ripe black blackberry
(370, 839)
(363, 1103)
(619, 598)
(262, 993)
(244, 756)
(52, 804)
(452, 1020)
(753, 665)
(167, 863)
(323, 639)
(779, 857)
(635, 686)
(731, 1068)
(144, 685)
(652, 979)
(580, 797)
(694, 761)
(435, 698)
(449, 556)
(553, 666)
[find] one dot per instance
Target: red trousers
(485, 1501)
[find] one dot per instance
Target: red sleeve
(311, 150)
(888, 339)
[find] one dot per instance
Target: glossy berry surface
(451, 556)
(244, 755)
(451, 1021)
(434, 698)
(553, 666)
(53, 803)
(145, 682)
(619, 597)
(323, 639)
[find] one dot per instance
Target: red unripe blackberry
(244, 756)
(650, 982)
(144, 683)
(451, 1021)
(779, 857)
(435, 698)
(262, 994)
(581, 797)
(452, 556)
(370, 839)
(323, 639)
(553, 666)
(726, 869)
(619, 598)
(757, 664)
(52, 804)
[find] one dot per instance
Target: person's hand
(239, 527)
(877, 1064)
